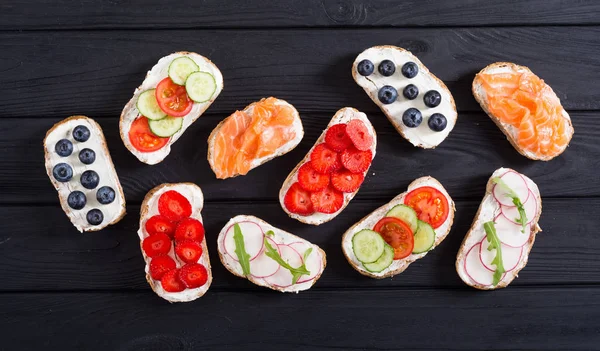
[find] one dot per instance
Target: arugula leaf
(270, 233)
(522, 220)
(296, 272)
(240, 249)
(492, 238)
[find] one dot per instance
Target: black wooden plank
(53, 74)
(512, 319)
(41, 251)
(89, 14)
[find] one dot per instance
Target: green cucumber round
(166, 127)
(181, 68)
(383, 262)
(200, 86)
(148, 106)
(424, 238)
(368, 246)
(406, 214)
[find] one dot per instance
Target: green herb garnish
(522, 220)
(296, 272)
(492, 238)
(240, 249)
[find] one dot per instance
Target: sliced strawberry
(359, 134)
(171, 281)
(336, 137)
(310, 179)
(189, 229)
(323, 159)
(188, 251)
(338, 163)
(157, 244)
(346, 181)
(327, 200)
(174, 206)
(160, 224)
(297, 200)
(356, 161)
(193, 275)
(161, 265)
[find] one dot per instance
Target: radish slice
(511, 256)
(517, 183)
(253, 240)
(313, 262)
(512, 214)
(475, 269)
(283, 277)
(263, 266)
(510, 233)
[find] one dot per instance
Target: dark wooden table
(64, 290)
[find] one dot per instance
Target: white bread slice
(282, 150)
(149, 208)
(103, 165)
(280, 237)
(153, 77)
(488, 209)
(508, 130)
(343, 115)
(368, 222)
(421, 136)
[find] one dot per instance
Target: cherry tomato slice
(430, 204)
(397, 234)
(172, 98)
(142, 138)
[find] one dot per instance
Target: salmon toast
(262, 131)
(525, 108)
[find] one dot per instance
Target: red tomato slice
(397, 234)
(430, 204)
(173, 98)
(142, 138)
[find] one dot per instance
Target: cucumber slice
(383, 262)
(166, 127)
(368, 246)
(181, 68)
(148, 106)
(406, 214)
(200, 86)
(424, 238)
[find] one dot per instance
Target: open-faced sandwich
(497, 246)
(176, 91)
(267, 256)
(424, 112)
(325, 181)
(173, 243)
(245, 140)
(388, 240)
(80, 168)
(525, 108)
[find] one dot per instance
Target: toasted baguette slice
(368, 222)
(103, 166)
(510, 131)
(491, 210)
(344, 115)
(262, 266)
(282, 150)
(421, 136)
(149, 208)
(153, 77)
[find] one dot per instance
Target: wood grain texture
(56, 74)
(155, 14)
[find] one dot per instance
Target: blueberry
(105, 195)
(62, 172)
(63, 147)
(387, 94)
(412, 118)
(437, 122)
(386, 68)
(81, 133)
(410, 70)
(94, 216)
(89, 179)
(410, 92)
(432, 98)
(365, 68)
(87, 156)
(77, 200)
